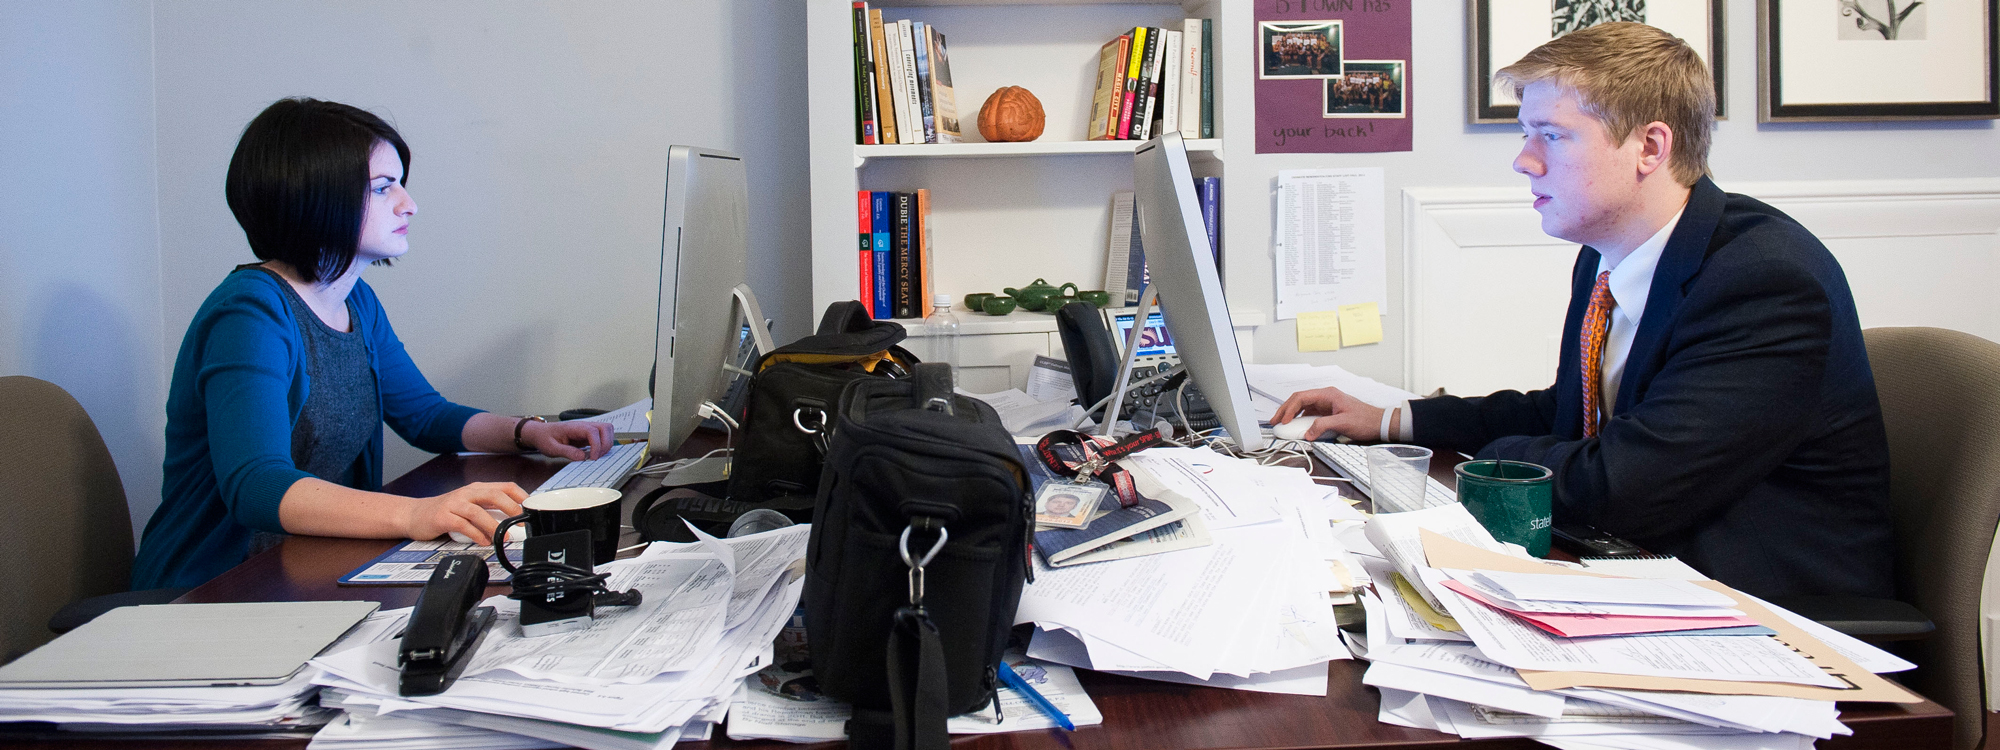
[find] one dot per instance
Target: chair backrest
(63, 518)
(1940, 393)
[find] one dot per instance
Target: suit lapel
(1680, 261)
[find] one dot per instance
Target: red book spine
(867, 227)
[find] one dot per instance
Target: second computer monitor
(705, 299)
(1189, 288)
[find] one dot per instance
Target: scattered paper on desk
(1331, 239)
(1360, 324)
(1050, 380)
(1319, 331)
(1275, 383)
(628, 418)
(787, 705)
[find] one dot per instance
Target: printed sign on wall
(1333, 76)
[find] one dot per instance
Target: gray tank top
(342, 412)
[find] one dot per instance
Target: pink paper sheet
(1578, 626)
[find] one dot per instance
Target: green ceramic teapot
(1033, 295)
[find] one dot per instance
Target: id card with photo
(1068, 505)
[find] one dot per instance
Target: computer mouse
(1293, 430)
(518, 533)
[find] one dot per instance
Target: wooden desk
(1137, 713)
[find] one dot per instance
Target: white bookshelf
(1002, 214)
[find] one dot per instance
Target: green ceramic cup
(1096, 297)
(1511, 499)
(998, 305)
(977, 300)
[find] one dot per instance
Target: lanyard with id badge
(1087, 460)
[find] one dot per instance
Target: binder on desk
(188, 645)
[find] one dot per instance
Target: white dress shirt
(1631, 282)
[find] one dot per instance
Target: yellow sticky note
(1319, 331)
(1360, 324)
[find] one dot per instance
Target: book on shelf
(1142, 103)
(924, 289)
(944, 105)
(912, 104)
(1190, 78)
(1210, 189)
(864, 92)
(1207, 78)
(1118, 249)
(1109, 96)
(920, 37)
(904, 245)
(1134, 57)
(866, 220)
(885, 107)
(878, 288)
(1169, 73)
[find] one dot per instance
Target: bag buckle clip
(818, 428)
(917, 564)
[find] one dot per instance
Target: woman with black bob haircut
(290, 368)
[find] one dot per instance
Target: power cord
(542, 581)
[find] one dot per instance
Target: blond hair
(1629, 75)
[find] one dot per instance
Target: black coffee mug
(592, 509)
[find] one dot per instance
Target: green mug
(998, 305)
(977, 300)
(1512, 499)
(1096, 297)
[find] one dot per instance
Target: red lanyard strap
(1085, 457)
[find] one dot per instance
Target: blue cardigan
(239, 385)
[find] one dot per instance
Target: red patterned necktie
(1596, 323)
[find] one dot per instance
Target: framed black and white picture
(1834, 60)
(1501, 31)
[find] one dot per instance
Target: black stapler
(445, 628)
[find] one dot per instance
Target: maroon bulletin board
(1292, 104)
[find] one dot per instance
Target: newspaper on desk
(638, 678)
(1678, 690)
(1212, 614)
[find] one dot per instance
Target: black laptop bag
(790, 408)
(918, 553)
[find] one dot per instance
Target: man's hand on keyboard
(576, 441)
(1337, 412)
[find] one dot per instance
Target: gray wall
(79, 231)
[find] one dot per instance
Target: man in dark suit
(1713, 399)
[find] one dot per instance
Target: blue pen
(1013, 680)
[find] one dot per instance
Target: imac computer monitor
(705, 299)
(1189, 290)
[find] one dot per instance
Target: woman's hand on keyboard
(577, 441)
(1337, 412)
(463, 510)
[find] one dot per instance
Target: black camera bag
(918, 553)
(792, 397)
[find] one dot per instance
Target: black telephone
(1093, 354)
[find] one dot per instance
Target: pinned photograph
(1068, 505)
(1368, 88)
(1299, 49)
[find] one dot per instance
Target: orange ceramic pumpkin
(1011, 114)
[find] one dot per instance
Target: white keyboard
(1351, 461)
(609, 471)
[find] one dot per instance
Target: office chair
(1940, 393)
(63, 518)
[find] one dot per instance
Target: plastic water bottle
(941, 334)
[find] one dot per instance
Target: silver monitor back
(703, 259)
(1190, 291)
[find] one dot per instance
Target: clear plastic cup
(1397, 478)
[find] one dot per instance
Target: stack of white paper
(245, 711)
(1252, 610)
(1457, 667)
(642, 677)
(1270, 385)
